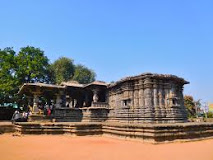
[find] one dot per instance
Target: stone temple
(148, 107)
(146, 98)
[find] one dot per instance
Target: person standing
(16, 116)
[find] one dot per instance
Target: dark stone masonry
(146, 98)
(148, 107)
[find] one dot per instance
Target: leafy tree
(62, 70)
(83, 74)
(8, 80)
(32, 65)
(210, 114)
(190, 105)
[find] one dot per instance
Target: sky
(119, 38)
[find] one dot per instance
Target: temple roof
(96, 83)
(151, 75)
(63, 85)
(26, 85)
(72, 84)
(76, 84)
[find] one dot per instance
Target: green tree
(32, 65)
(62, 70)
(190, 105)
(8, 78)
(83, 74)
(210, 114)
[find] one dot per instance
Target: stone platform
(152, 133)
(6, 127)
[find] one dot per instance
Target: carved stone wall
(148, 98)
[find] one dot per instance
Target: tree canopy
(62, 70)
(191, 105)
(31, 65)
(83, 74)
(8, 81)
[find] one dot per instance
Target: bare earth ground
(50, 147)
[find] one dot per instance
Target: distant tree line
(193, 108)
(190, 105)
(30, 65)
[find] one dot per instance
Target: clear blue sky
(117, 38)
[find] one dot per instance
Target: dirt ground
(50, 147)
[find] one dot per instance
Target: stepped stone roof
(62, 85)
(150, 75)
(97, 83)
(76, 84)
(104, 84)
(39, 85)
(72, 84)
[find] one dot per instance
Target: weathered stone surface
(153, 133)
(6, 127)
(68, 115)
(148, 98)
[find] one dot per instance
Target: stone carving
(146, 98)
(157, 98)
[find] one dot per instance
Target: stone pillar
(161, 95)
(148, 98)
(157, 108)
(35, 104)
(86, 100)
(181, 96)
(107, 97)
(173, 91)
(95, 95)
(166, 97)
(136, 99)
(75, 103)
(70, 103)
(172, 94)
(141, 94)
(183, 111)
(30, 103)
(161, 103)
(131, 97)
(58, 101)
(117, 101)
(148, 93)
(155, 94)
(149, 108)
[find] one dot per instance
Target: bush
(210, 114)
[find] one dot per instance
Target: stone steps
(154, 133)
(6, 127)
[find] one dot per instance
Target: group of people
(49, 109)
(20, 116)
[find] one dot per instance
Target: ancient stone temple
(146, 98)
(148, 107)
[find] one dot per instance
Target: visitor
(53, 109)
(23, 117)
(16, 116)
(46, 107)
(48, 111)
